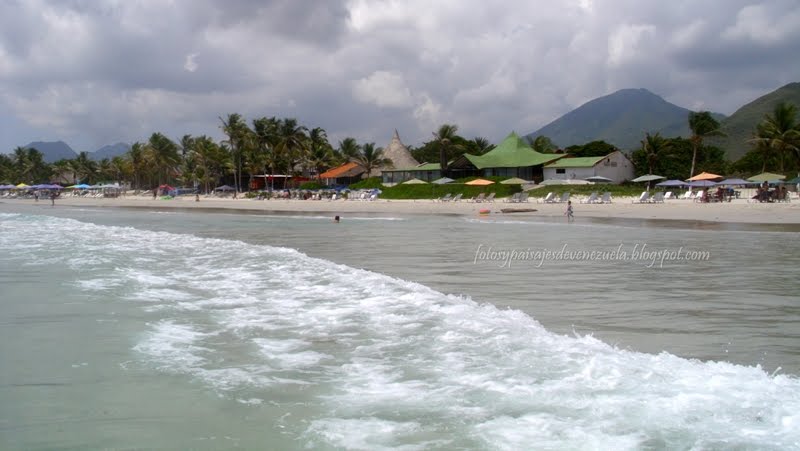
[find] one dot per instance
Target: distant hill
(621, 119)
(739, 126)
(110, 151)
(53, 151)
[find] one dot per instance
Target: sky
(98, 72)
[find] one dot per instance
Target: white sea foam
(388, 363)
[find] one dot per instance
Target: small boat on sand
(517, 210)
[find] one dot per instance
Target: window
(561, 171)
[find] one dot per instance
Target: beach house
(614, 166)
(511, 158)
(403, 165)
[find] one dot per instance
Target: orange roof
(346, 170)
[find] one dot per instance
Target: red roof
(346, 170)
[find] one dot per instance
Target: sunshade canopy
(480, 182)
(443, 180)
(701, 183)
(671, 183)
(729, 182)
(223, 188)
(705, 176)
(415, 182)
(514, 181)
(766, 176)
(647, 178)
(598, 178)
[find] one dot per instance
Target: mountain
(110, 151)
(739, 126)
(53, 151)
(621, 119)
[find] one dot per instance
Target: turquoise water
(150, 329)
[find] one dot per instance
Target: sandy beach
(737, 211)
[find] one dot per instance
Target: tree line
(271, 145)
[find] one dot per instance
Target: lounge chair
(669, 196)
(457, 197)
(658, 198)
(688, 195)
(606, 198)
(564, 198)
(479, 198)
(643, 199)
(446, 198)
(490, 197)
(523, 197)
(513, 199)
(550, 198)
(592, 199)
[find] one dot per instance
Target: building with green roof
(511, 158)
(614, 166)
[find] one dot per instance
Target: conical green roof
(513, 152)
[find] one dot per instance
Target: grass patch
(433, 191)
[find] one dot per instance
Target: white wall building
(615, 166)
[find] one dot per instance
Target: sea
(141, 328)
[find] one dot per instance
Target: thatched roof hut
(399, 154)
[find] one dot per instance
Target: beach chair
(591, 199)
(669, 196)
(606, 198)
(688, 195)
(490, 197)
(523, 197)
(564, 198)
(479, 198)
(644, 198)
(550, 198)
(513, 199)
(658, 198)
(446, 198)
(457, 197)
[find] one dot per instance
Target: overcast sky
(99, 72)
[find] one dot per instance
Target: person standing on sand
(53, 198)
(568, 213)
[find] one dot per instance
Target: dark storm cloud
(97, 72)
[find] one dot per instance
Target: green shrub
(370, 183)
(433, 191)
(311, 185)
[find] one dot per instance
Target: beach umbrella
(598, 179)
(671, 183)
(443, 181)
(415, 182)
(219, 188)
(480, 182)
(21, 185)
(514, 181)
(701, 183)
(730, 182)
(704, 176)
(6, 186)
(766, 176)
(794, 180)
(647, 178)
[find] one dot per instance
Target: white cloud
(383, 89)
(189, 63)
(624, 44)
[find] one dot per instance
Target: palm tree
(292, 142)
(482, 144)
(237, 131)
(136, 156)
(654, 146)
(163, 153)
(541, 144)
(444, 137)
(370, 158)
(780, 131)
(349, 149)
(85, 168)
(320, 152)
(702, 125)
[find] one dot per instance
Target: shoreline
(738, 211)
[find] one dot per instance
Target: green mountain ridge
(623, 117)
(740, 126)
